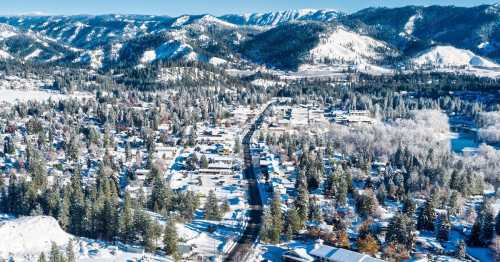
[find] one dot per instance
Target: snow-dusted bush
(485, 162)
(489, 126)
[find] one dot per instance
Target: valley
(300, 135)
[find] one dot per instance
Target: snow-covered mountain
(282, 17)
(31, 46)
(343, 46)
(449, 56)
(286, 40)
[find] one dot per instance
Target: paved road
(241, 251)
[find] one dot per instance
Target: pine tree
(64, 206)
(366, 204)
(409, 206)
(276, 219)
(460, 252)
(211, 208)
(76, 205)
(55, 254)
(170, 238)
(400, 231)
(483, 228)
(142, 224)
(497, 225)
(204, 162)
(70, 252)
(444, 229)
(302, 204)
(487, 225)
(127, 220)
(42, 258)
(154, 232)
(475, 234)
(160, 195)
(293, 220)
(426, 216)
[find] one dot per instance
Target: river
(465, 139)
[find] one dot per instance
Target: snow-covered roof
(341, 255)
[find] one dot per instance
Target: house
(296, 255)
(327, 253)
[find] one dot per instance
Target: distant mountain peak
(282, 17)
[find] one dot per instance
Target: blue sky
(216, 7)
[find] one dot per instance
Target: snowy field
(15, 95)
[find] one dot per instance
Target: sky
(215, 7)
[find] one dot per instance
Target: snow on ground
(212, 238)
(115, 51)
(211, 20)
(410, 25)
(449, 56)
(267, 83)
(4, 55)
(33, 54)
(168, 50)
(93, 58)
(180, 21)
(13, 96)
(217, 61)
(30, 235)
(7, 31)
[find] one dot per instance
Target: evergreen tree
(204, 162)
(426, 216)
(293, 221)
(160, 196)
(170, 238)
(400, 231)
(409, 206)
(302, 204)
(444, 229)
(70, 252)
(211, 208)
(127, 220)
(55, 254)
(76, 205)
(42, 258)
(461, 250)
(276, 219)
(64, 207)
(366, 204)
(483, 228)
(497, 225)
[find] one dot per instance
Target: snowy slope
(7, 31)
(345, 46)
(410, 25)
(449, 56)
(4, 55)
(170, 50)
(93, 58)
(30, 236)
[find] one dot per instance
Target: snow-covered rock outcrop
(29, 236)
